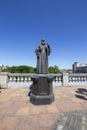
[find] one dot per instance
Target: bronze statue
(41, 89)
(42, 52)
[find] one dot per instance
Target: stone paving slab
(17, 113)
(72, 121)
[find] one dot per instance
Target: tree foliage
(20, 69)
(54, 69)
(28, 69)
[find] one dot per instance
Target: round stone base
(41, 100)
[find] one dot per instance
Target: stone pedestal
(41, 89)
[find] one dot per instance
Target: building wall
(79, 68)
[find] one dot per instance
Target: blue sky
(23, 23)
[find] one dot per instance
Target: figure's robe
(42, 53)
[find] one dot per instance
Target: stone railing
(24, 80)
(19, 80)
(19, 77)
(78, 79)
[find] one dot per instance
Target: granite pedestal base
(41, 89)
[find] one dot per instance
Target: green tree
(20, 69)
(54, 69)
(51, 69)
(28, 69)
(31, 69)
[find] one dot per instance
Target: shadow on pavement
(82, 91)
(81, 97)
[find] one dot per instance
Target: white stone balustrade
(57, 80)
(24, 80)
(78, 79)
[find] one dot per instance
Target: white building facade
(79, 67)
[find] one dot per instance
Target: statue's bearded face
(43, 42)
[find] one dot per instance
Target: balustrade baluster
(21, 79)
(18, 79)
(82, 79)
(29, 79)
(10, 79)
(85, 79)
(26, 79)
(79, 79)
(59, 79)
(56, 79)
(75, 79)
(72, 79)
(15, 79)
(69, 78)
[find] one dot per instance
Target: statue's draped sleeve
(37, 51)
(48, 49)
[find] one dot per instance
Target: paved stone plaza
(67, 112)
